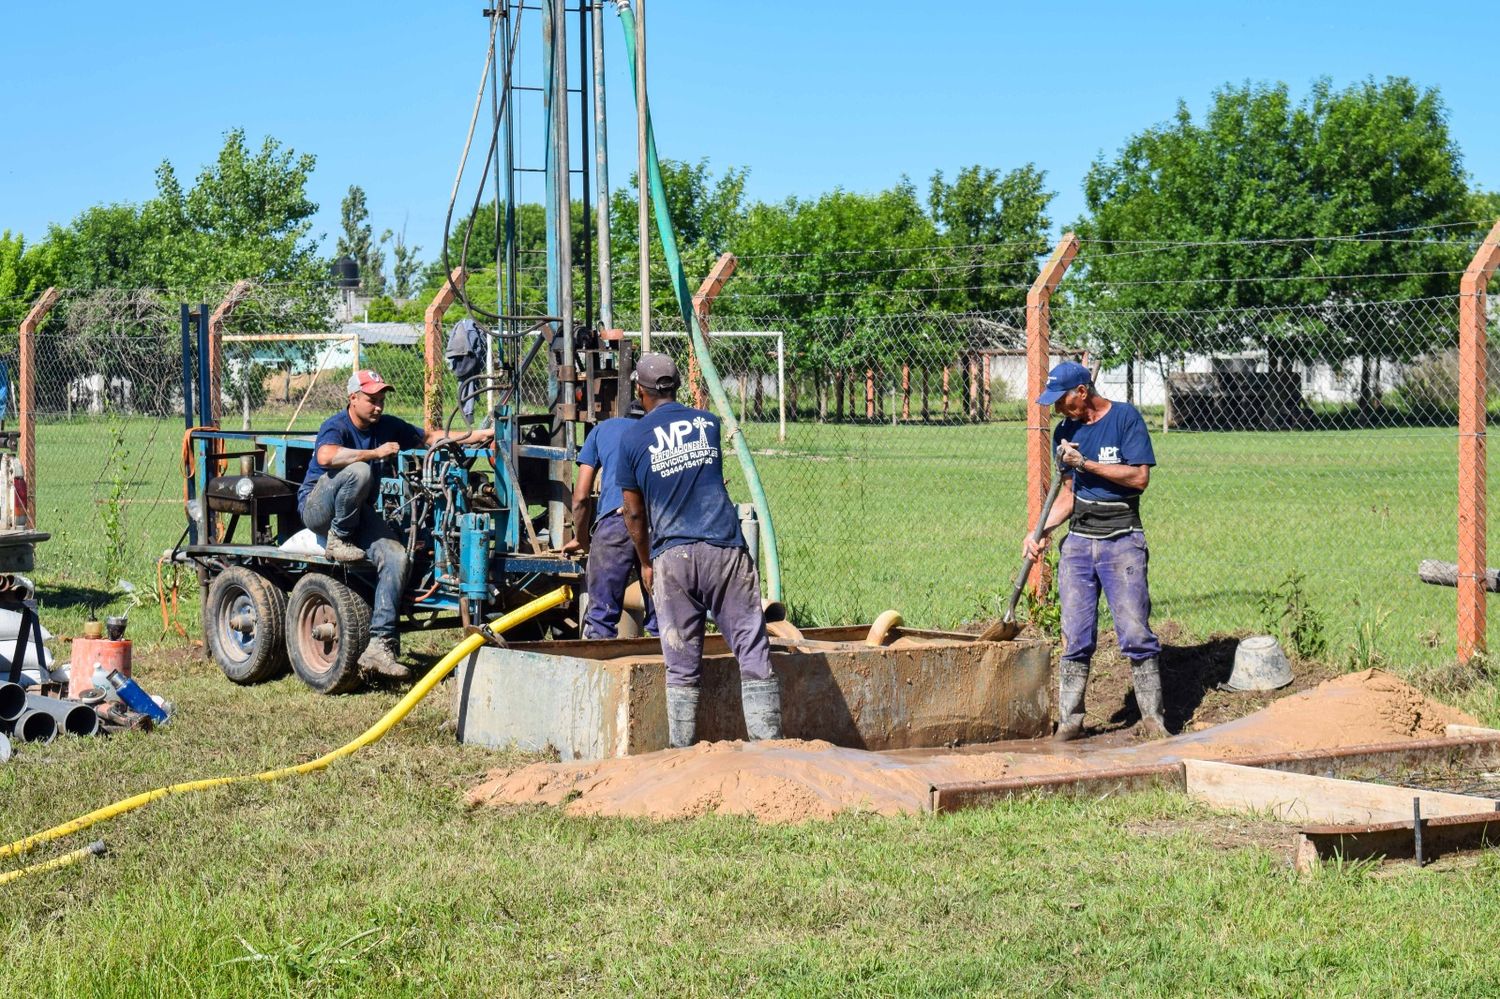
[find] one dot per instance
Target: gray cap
(657, 372)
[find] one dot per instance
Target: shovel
(1008, 627)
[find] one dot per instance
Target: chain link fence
(1307, 455)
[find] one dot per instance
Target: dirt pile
(788, 780)
(791, 780)
(1356, 709)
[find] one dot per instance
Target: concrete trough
(594, 699)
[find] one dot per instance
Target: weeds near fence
(1290, 616)
(112, 511)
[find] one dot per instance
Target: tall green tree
(404, 262)
(1261, 167)
(357, 242)
(996, 226)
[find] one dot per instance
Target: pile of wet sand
(792, 780)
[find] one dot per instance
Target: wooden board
(1295, 797)
(1393, 840)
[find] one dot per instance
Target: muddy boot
(1145, 675)
(379, 659)
(682, 716)
(340, 550)
(762, 700)
(1072, 681)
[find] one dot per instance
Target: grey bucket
(1259, 664)
(4, 749)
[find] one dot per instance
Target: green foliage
(1288, 614)
(404, 262)
(246, 216)
(112, 510)
(1370, 158)
(357, 242)
(1364, 652)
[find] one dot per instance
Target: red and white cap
(367, 381)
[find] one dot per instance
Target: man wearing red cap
(337, 498)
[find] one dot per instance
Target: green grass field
(373, 879)
(928, 520)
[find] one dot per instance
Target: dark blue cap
(1063, 379)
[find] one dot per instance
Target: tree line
(1195, 213)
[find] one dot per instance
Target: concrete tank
(593, 699)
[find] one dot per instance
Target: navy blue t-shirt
(339, 429)
(1118, 438)
(671, 457)
(601, 450)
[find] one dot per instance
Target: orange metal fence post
(26, 405)
(1472, 383)
(236, 295)
(1038, 351)
(703, 304)
(432, 382)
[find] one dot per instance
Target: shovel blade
(1001, 631)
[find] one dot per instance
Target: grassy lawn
(928, 520)
(373, 879)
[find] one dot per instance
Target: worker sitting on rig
(693, 557)
(599, 529)
(338, 495)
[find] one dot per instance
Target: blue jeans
(341, 503)
(612, 559)
(1118, 567)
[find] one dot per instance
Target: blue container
(135, 698)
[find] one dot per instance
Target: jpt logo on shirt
(676, 449)
(1109, 456)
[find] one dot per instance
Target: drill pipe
(12, 701)
(72, 717)
(32, 726)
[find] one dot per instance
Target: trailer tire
(327, 628)
(244, 623)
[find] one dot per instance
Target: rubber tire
(327, 667)
(267, 659)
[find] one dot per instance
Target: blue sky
(807, 95)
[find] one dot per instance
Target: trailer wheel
(328, 626)
(244, 623)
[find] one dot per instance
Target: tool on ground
(1008, 627)
(371, 735)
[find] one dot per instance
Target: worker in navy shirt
(337, 499)
(694, 560)
(599, 529)
(1107, 458)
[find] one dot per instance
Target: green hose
(771, 563)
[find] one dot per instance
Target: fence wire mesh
(1307, 455)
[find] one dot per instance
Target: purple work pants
(698, 579)
(1118, 567)
(612, 560)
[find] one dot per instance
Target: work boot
(682, 716)
(762, 701)
(1072, 681)
(1145, 676)
(379, 658)
(341, 550)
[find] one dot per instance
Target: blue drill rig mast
(484, 526)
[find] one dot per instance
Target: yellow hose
(403, 708)
(82, 853)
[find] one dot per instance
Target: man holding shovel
(1106, 457)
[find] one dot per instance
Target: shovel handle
(1036, 535)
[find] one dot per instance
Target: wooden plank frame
(1294, 797)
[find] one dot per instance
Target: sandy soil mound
(1356, 709)
(790, 780)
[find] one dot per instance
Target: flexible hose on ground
(771, 563)
(373, 734)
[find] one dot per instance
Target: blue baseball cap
(1063, 379)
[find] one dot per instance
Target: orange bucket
(91, 654)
